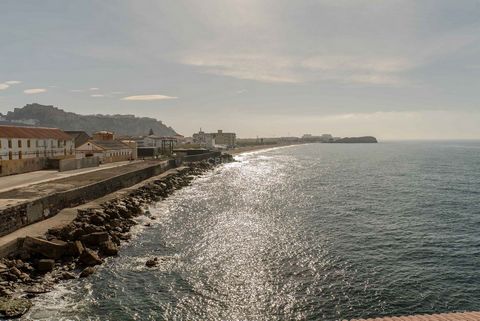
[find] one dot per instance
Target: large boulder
(50, 249)
(109, 248)
(75, 248)
(95, 238)
(90, 257)
(45, 265)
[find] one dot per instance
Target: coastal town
(27, 146)
(68, 196)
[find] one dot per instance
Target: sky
(395, 69)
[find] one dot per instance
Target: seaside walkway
(10, 242)
(465, 316)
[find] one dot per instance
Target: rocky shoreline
(73, 251)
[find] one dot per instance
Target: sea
(307, 232)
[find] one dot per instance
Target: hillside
(49, 116)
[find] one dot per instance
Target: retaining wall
(15, 217)
(78, 163)
(19, 166)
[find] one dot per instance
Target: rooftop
(33, 132)
(110, 144)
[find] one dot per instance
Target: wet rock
(151, 262)
(4, 291)
(45, 265)
(51, 250)
(75, 248)
(109, 248)
(125, 237)
(15, 272)
(87, 272)
(97, 220)
(90, 257)
(68, 276)
(14, 308)
(95, 238)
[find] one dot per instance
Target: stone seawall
(35, 210)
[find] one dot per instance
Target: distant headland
(353, 140)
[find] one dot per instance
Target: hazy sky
(390, 68)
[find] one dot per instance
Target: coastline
(247, 149)
(74, 248)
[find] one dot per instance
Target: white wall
(38, 148)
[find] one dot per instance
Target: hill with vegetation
(50, 116)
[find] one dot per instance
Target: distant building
(325, 138)
(79, 137)
(213, 139)
(24, 149)
(107, 148)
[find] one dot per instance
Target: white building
(213, 139)
(26, 149)
(107, 148)
(33, 142)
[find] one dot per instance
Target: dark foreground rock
(45, 265)
(151, 262)
(90, 258)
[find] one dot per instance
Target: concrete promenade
(27, 179)
(10, 242)
(16, 195)
(464, 316)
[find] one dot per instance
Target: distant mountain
(49, 116)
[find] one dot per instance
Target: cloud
(259, 67)
(97, 95)
(94, 88)
(77, 90)
(148, 97)
(8, 83)
(274, 68)
(34, 91)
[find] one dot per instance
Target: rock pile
(74, 250)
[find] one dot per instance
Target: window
(19, 143)
(10, 155)
(10, 144)
(28, 143)
(0, 143)
(20, 155)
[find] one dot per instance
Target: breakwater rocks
(74, 250)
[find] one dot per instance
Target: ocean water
(311, 232)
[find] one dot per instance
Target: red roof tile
(33, 132)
